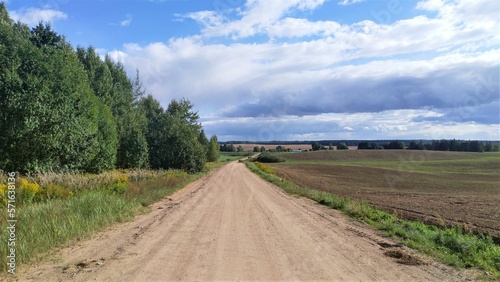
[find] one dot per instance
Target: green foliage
(156, 131)
(42, 35)
(173, 136)
(202, 139)
(133, 151)
(63, 109)
(45, 98)
(4, 15)
(185, 151)
(269, 158)
(227, 148)
(342, 146)
(395, 145)
(213, 149)
(316, 146)
(105, 142)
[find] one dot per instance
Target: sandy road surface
(231, 225)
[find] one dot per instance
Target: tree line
(436, 145)
(67, 109)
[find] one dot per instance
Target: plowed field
(443, 188)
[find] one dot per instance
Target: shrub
(269, 158)
(342, 146)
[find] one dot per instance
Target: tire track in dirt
(232, 225)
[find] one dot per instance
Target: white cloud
(412, 76)
(32, 16)
(205, 18)
(127, 21)
(349, 2)
(258, 16)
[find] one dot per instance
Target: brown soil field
(440, 188)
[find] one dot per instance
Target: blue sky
(303, 69)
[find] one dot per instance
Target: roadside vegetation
(452, 246)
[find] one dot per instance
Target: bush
(342, 146)
(269, 158)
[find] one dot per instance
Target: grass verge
(42, 226)
(451, 246)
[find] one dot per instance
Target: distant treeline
(67, 109)
(436, 145)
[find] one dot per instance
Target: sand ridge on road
(232, 225)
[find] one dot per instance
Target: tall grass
(451, 246)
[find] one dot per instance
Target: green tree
(185, 152)
(4, 15)
(262, 149)
(256, 149)
(156, 131)
(46, 100)
(173, 135)
(110, 83)
(342, 146)
(202, 139)
(213, 151)
(43, 35)
(316, 146)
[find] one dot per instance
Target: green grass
(233, 156)
(48, 224)
(451, 245)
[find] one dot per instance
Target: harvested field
(443, 188)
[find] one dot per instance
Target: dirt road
(231, 225)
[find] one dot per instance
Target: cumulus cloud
(256, 18)
(444, 62)
(32, 16)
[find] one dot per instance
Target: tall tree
(43, 35)
(156, 132)
(186, 152)
(45, 99)
(214, 149)
(4, 15)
